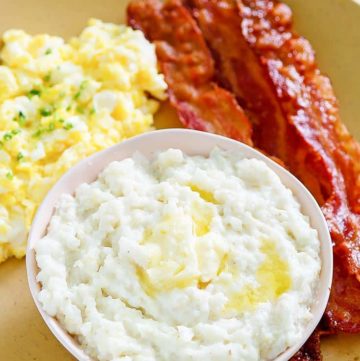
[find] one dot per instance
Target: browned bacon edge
(311, 350)
(292, 106)
(188, 68)
(273, 73)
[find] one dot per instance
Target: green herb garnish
(7, 136)
(9, 175)
(37, 133)
(34, 92)
(68, 126)
(19, 156)
(20, 118)
(48, 51)
(83, 85)
(46, 111)
(15, 131)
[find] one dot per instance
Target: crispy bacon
(188, 68)
(273, 73)
(311, 350)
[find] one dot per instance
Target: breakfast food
(189, 70)
(181, 258)
(298, 104)
(311, 350)
(272, 72)
(60, 102)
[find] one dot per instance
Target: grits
(181, 258)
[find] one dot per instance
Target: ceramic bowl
(192, 143)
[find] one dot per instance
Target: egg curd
(181, 258)
(60, 102)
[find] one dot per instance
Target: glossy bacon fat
(272, 72)
(188, 67)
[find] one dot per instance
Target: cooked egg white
(181, 258)
(60, 102)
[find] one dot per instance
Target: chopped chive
(9, 176)
(7, 136)
(68, 126)
(92, 111)
(10, 135)
(46, 112)
(68, 107)
(19, 156)
(20, 118)
(34, 92)
(37, 133)
(48, 51)
(15, 131)
(61, 120)
(82, 86)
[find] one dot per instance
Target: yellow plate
(332, 26)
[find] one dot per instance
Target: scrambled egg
(60, 102)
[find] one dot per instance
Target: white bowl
(192, 143)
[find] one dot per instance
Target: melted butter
(169, 267)
(151, 287)
(201, 216)
(146, 236)
(174, 262)
(202, 285)
(145, 281)
(205, 195)
(273, 277)
(223, 264)
(183, 282)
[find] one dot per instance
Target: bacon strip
(273, 73)
(188, 67)
(311, 351)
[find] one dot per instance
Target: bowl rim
(161, 140)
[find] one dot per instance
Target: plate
(332, 26)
